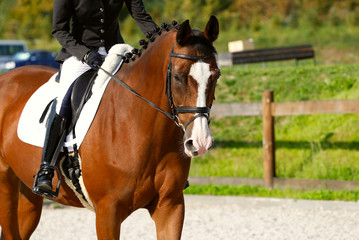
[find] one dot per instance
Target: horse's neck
(125, 116)
(146, 75)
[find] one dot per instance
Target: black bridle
(198, 111)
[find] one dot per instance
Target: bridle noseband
(198, 111)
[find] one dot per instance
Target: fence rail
(269, 109)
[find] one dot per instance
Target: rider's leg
(54, 136)
(57, 124)
(71, 69)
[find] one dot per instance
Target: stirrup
(47, 193)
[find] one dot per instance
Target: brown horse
(133, 156)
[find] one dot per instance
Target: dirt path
(226, 218)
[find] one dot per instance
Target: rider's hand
(94, 60)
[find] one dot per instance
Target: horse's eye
(178, 78)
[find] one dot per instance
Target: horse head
(192, 74)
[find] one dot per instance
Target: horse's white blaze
(200, 72)
(201, 136)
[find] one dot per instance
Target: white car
(7, 49)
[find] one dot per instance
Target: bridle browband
(198, 111)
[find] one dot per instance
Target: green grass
(257, 191)
(290, 83)
(308, 147)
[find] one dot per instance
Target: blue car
(33, 57)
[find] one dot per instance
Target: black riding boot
(54, 138)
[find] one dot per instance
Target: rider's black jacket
(94, 24)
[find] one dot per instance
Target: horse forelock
(200, 43)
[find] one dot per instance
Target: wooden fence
(269, 109)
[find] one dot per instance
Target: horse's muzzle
(198, 145)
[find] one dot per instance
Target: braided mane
(197, 40)
(151, 36)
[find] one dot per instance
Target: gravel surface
(209, 217)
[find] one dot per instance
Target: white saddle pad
(31, 131)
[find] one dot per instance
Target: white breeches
(71, 69)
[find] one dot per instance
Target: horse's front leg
(29, 211)
(168, 215)
(109, 216)
(9, 189)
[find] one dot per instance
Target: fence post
(268, 139)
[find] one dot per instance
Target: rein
(199, 111)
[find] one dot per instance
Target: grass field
(313, 147)
(309, 147)
(257, 191)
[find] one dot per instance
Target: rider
(94, 30)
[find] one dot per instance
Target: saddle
(71, 164)
(81, 92)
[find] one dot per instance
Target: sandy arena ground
(227, 218)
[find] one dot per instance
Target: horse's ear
(184, 32)
(212, 29)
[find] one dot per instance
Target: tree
(5, 6)
(33, 19)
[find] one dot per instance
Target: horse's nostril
(189, 144)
